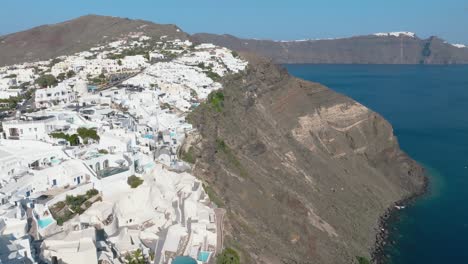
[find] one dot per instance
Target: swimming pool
(44, 222)
(148, 136)
(204, 256)
(184, 260)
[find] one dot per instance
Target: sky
(262, 19)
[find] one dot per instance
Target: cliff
(304, 172)
(370, 49)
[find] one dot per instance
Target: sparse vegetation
(10, 76)
(73, 205)
(213, 75)
(135, 257)
(54, 61)
(228, 256)
(70, 73)
(134, 181)
(216, 100)
(61, 76)
(213, 196)
(222, 147)
(166, 106)
(13, 101)
(189, 155)
(72, 139)
(362, 260)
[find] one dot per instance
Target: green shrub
(72, 139)
(88, 133)
(228, 256)
(91, 193)
(134, 181)
(362, 260)
(103, 151)
(216, 100)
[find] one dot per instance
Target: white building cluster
(96, 171)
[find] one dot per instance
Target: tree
(119, 62)
(46, 80)
(228, 256)
(70, 73)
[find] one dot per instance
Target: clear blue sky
(267, 19)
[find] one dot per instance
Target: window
(35, 129)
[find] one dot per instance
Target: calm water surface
(428, 108)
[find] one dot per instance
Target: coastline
(391, 215)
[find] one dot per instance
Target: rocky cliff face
(50, 41)
(355, 50)
(304, 172)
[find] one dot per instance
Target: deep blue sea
(428, 108)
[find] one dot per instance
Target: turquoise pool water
(204, 256)
(45, 222)
(184, 260)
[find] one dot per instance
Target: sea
(428, 108)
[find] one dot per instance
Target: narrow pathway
(219, 215)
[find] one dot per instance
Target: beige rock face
(305, 173)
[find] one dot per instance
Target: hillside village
(89, 164)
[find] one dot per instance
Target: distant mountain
(380, 48)
(49, 41)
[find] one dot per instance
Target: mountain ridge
(367, 49)
(49, 41)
